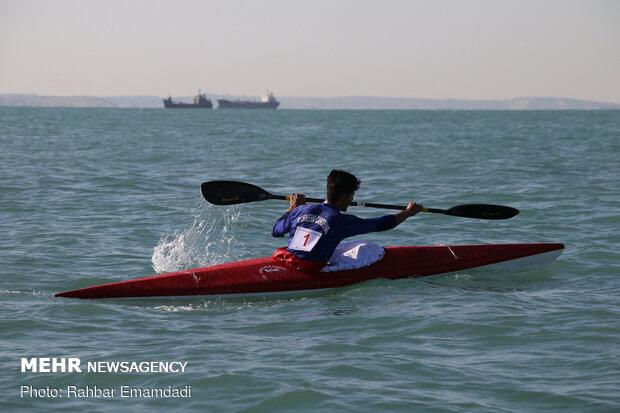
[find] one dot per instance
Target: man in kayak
(315, 230)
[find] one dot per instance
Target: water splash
(23, 292)
(211, 239)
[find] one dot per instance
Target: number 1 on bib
(305, 239)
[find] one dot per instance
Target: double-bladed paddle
(233, 192)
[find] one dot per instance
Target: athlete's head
(341, 187)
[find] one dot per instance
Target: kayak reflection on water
(315, 230)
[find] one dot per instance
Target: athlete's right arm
(411, 210)
(352, 225)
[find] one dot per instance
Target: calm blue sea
(97, 195)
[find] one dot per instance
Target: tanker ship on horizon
(266, 102)
(200, 102)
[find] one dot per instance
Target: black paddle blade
(482, 211)
(232, 192)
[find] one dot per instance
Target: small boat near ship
(267, 102)
(200, 102)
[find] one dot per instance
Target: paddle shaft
(363, 204)
(234, 192)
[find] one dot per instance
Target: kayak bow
(266, 275)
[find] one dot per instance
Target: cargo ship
(200, 102)
(266, 102)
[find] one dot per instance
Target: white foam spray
(211, 239)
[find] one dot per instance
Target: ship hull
(187, 106)
(241, 104)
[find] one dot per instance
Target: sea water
(89, 196)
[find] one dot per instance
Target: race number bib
(305, 239)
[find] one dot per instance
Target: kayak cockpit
(351, 255)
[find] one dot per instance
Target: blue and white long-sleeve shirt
(316, 229)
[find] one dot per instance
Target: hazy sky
(483, 49)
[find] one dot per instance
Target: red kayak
(266, 275)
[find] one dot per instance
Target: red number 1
(306, 238)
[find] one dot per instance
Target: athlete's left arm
(283, 224)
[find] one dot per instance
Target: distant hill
(370, 102)
(24, 99)
(345, 102)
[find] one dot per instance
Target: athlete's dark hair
(340, 183)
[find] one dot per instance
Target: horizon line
(308, 97)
